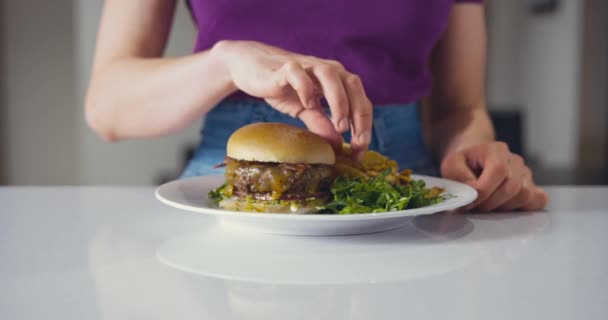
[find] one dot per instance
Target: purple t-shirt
(386, 42)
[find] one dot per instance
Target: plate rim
(220, 213)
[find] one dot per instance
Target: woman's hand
(501, 178)
(193, 84)
(457, 125)
(294, 84)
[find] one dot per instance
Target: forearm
(132, 97)
(455, 129)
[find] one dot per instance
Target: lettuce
(218, 194)
(365, 195)
(361, 195)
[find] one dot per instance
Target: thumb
(455, 167)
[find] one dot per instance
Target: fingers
(455, 167)
(360, 114)
(538, 201)
(317, 121)
(517, 192)
(350, 108)
(302, 84)
(509, 188)
(524, 196)
(328, 76)
(349, 105)
(495, 172)
(505, 183)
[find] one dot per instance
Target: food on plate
(375, 184)
(273, 167)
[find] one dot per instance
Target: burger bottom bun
(287, 207)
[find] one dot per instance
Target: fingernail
(364, 137)
(343, 125)
(312, 103)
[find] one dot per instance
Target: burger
(275, 167)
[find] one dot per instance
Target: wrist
(463, 143)
(218, 56)
(461, 131)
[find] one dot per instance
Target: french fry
(371, 165)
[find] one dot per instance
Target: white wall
(132, 162)
(505, 55)
(593, 115)
(42, 144)
(47, 57)
(550, 78)
(535, 63)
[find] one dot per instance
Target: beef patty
(272, 181)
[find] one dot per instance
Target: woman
(322, 64)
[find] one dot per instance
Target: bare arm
(455, 112)
(457, 125)
(134, 92)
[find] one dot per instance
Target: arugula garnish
(362, 195)
(217, 194)
(365, 195)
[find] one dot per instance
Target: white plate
(191, 195)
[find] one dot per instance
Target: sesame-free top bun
(278, 142)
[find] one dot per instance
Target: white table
(95, 253)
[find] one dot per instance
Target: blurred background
(547, 92)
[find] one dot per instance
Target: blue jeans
(397, 133)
